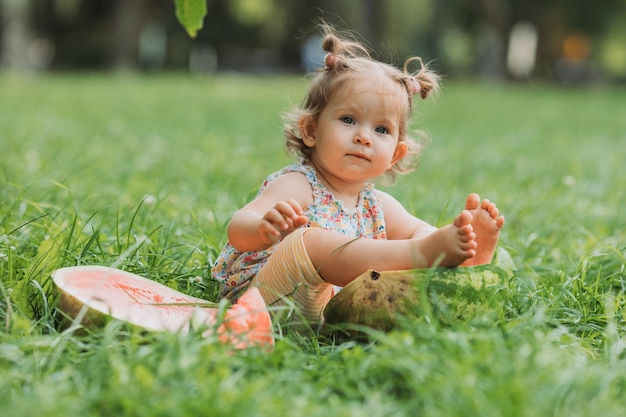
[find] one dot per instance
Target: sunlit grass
(143, 173)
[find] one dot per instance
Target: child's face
(356, 136)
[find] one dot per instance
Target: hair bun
(330, 60)
(423, 82)
(414, 86)
(331, 44)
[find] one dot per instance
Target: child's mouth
(359, 156)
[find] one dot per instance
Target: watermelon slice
(94, 294)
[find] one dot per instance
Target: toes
(500, 222)
(463, 219)
(469, 248)
(491, 208)
(467, 235)
(472, 202)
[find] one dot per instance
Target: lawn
(143, 173)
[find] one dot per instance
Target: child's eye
(382, 130)
(347, 119)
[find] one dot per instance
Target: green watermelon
(377, 299)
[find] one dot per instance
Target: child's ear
(307, 130)
(400, 152)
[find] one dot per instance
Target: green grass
(144, 172)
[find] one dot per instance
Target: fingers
(281, 220)
(285, 214)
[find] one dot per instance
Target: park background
(126, 142)
(569, 42)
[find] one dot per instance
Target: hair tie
(330, 60)
(414, 86)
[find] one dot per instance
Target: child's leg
(486, 224)
(305, 264)
(339, 259)
(289, 273)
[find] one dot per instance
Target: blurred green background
(564, 41)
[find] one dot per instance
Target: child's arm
(400, 224)
(272, 215)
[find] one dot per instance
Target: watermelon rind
(377, 299)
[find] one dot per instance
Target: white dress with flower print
(234, 269)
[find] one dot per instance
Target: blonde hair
(347, 59)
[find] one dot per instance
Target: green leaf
(190, 14)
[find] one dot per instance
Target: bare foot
(486, 223)
(448, 246)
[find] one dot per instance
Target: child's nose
(362, 139)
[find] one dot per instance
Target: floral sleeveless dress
(234, 270)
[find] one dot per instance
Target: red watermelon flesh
(153, 306)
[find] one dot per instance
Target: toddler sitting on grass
(319, 223)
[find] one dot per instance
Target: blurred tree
(463, 36)
(554, 20)
(16, 34)
(127, 24)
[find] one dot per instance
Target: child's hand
(280, 220)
